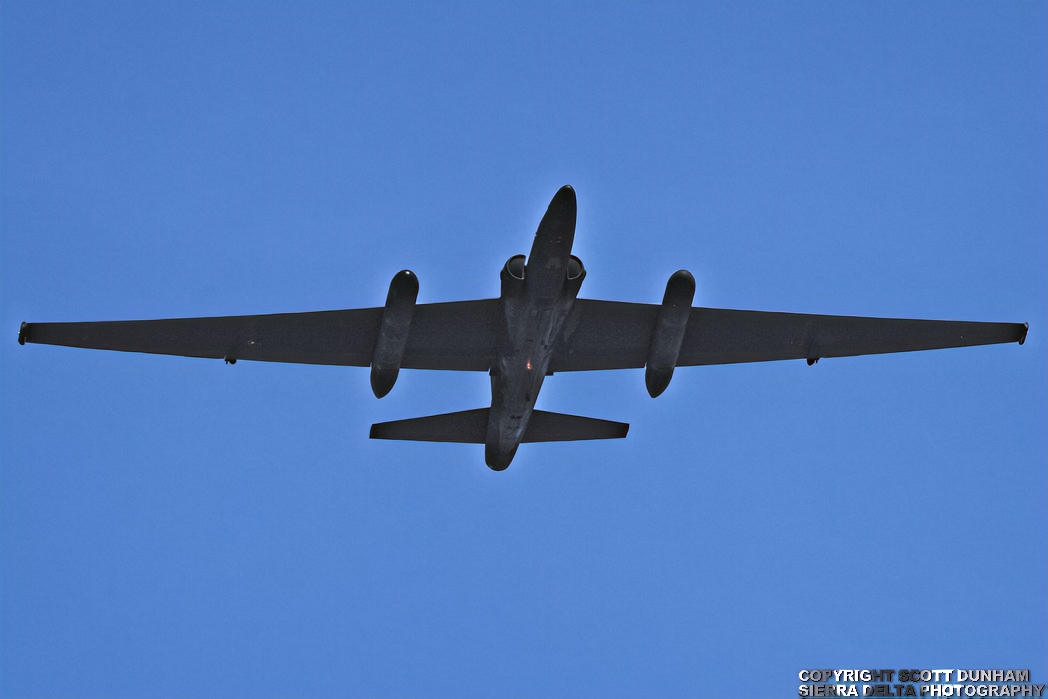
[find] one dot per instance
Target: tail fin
(471, 427)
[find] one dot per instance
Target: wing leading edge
(616, 335)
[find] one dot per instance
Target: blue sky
(174, 527)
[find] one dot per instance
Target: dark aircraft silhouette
(536, 327)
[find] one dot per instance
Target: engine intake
(393, 332)
(515, 267)
(668, 334)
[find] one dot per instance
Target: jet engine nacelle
(668, 333)
(576, 274)
(393, 331)
(512, 276)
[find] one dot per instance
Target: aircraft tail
(471, 427)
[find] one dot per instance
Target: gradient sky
(175, 527)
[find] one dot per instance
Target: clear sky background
(176, 527)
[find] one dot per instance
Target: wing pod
(393, 331)
(668, 333)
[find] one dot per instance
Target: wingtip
(22, 332)
(1026, 329)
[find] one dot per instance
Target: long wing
(462, 336)
(456, 336)
(615, 335)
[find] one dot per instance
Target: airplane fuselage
(535, 301)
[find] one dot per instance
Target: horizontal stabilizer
(467, 427)
(471, 427)
(558, 427)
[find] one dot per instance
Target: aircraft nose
(565, 195)
(563, 206)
